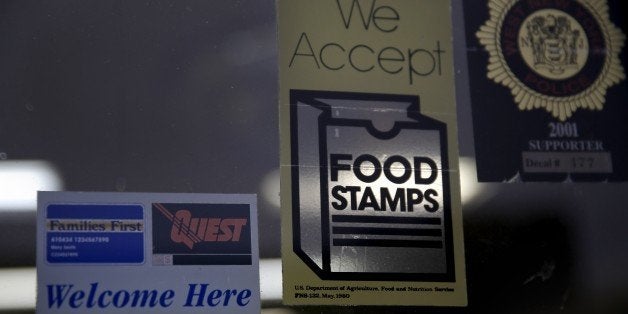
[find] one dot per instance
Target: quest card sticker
(147, 253)
(548, 89)
(369, 171)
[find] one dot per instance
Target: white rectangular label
(147, 253)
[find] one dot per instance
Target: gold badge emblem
(556, 54)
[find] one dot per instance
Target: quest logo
(201, 234)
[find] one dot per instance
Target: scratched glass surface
(181, 96)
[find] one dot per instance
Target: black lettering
(390, 56)
(341, 200)
(366, 19)
(357, 168)
(388, 168)
(351, 55)
(418, 170)
(308, 53)
(429, 197)
(369, 200)
(413, 197)
(385, 14)
(323, 59)
(335, 166)
(393, 202)
(353, 190)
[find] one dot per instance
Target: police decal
(557, 55)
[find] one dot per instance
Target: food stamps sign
(370, 199)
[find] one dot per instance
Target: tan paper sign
(370, 186)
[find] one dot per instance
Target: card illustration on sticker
(371, 199)
(548, 87)
(94, 234)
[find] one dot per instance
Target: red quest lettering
(189, 230)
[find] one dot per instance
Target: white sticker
(147, 253)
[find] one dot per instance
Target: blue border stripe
(90, 211)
